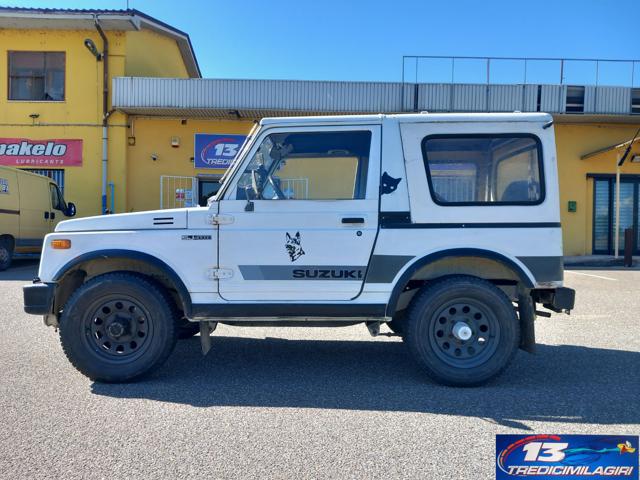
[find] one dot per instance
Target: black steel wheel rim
(462, 352)
(119, 329)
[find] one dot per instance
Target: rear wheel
(6, 253)
(463, 331)
(117, 327)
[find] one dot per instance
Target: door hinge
(218, 273)
(219, 219)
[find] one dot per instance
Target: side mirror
(71, 210)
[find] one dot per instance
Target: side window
(56, 198)
(484, 169)
(36, 76)
(308, 166)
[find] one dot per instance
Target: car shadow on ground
(20, 269)
(561, 383)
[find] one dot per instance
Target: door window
(57, 202)
(308, 166)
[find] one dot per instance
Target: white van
(30, 207)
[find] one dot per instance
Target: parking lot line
(591, 275)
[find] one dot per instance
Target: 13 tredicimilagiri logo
(573, 456)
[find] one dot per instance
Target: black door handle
(352, 220)
(46, 215)
(53, 215)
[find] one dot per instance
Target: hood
(153, 220)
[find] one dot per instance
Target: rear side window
(484, 169)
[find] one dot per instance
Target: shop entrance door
(604, 214)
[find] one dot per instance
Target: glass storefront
(604, 211)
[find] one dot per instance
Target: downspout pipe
(105, 111)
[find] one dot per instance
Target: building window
(36, 76)
(484, 169)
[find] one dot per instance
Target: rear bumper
(559, 299)
(38, 298)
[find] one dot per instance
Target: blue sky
(365, 40)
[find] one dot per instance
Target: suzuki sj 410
(446, 228)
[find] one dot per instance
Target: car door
(35, 209)
(299, 221)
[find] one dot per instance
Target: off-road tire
(6, 253)
(187, 329)
(484, 308)
(144, 316)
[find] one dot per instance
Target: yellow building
(52, 70)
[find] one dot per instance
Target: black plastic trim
(396, 225)
(183, 293)
(226, 310)
(454, 252)
(38, 298)
(9, 211)
(392, 218)
(29, 242)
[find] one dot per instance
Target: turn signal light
(62, 244)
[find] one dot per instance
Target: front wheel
(117, 327)
(462, 330)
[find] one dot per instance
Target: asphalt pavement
(311, 402)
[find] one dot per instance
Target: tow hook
(206, 329)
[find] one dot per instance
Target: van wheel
(117, 327)
(187, 329)
(463, 331)
(6, 253)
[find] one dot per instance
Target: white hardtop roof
(412, 118)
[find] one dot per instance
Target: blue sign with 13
(216, 151)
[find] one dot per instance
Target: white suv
(444, 227)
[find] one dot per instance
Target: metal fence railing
(178, 192)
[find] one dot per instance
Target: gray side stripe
(29, 242)
(384, 268)
(544, 269)
(303, 272)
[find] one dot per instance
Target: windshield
(235, 161)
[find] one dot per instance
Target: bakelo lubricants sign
(24, 152)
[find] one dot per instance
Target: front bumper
(559, 299)
(38, 298)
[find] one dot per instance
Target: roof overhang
(118, 20)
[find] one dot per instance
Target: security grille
(297, 188)
(57, 175)
(178, 192)
(455, 188)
